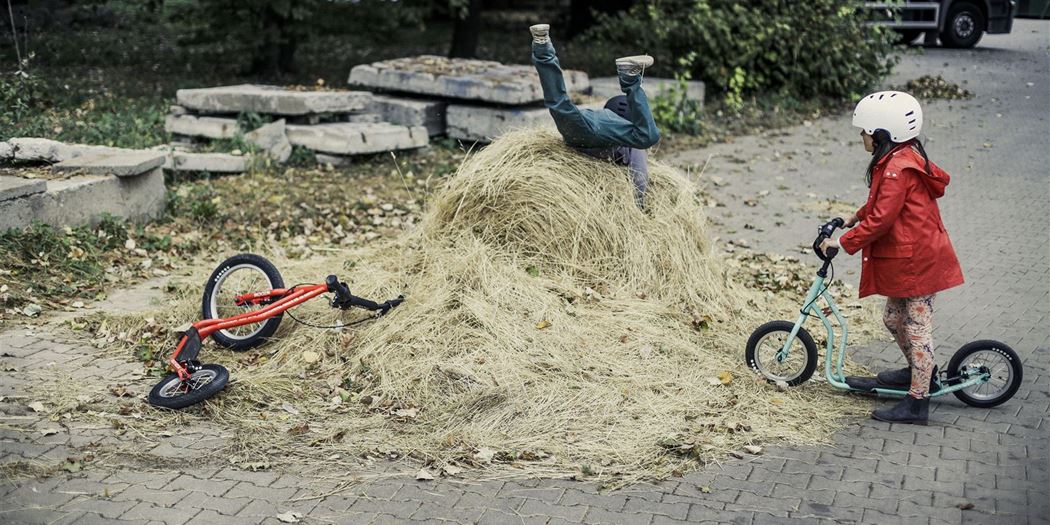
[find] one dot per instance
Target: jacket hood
(936, 180)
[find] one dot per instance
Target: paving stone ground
(997, 459)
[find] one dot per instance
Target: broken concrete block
(485, 123)
(122, 164)
(460, 78)
(177, 110)
(608, 87)
(207, 127)
(206, 162)
(271, 100)
(7, 151)
(31, 149)
(83, 199)
(273, 140)
(16, 187)
(353, 138)
(405, 111)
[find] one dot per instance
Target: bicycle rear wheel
(998, 360)
(238, 275)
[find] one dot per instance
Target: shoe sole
(922, 422)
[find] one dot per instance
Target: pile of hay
(551, 328)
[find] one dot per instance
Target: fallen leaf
(725, 377)
(311, 357)
(32, 310)
(407, 413)
(72, 465)
(424, 475)
(50, 431)
(543, 324)
(299, 429)
(705, 490)
(966, 505)
(753, 449)
(289, 517)
(287, 407)
(782, 385)
(736, 455)
(451, 470)
(484, 455)
(36, 406)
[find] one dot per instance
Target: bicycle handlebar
(345, 300)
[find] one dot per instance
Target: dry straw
(551, 328)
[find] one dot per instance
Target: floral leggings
(910, 319)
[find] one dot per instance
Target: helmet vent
(880, 96)
(893, 95)
(910, 113)
(912, 121)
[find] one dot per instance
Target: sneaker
(633, 66)
(540, 33)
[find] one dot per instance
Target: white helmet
(894, 111)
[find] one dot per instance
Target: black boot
(907, 410)
(895, 378)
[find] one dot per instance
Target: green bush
(817, 48)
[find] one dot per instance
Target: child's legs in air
(893, 316)
(644, 132)
(572, 125)
(918, 328)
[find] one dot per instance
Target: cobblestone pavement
(997, 149)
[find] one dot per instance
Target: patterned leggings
(910, 320)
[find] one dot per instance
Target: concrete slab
(460, 79)
(30, 149)
(484, 123)
(608, 87)
(206, 162)
(353, 138)
(84, 198)
(122, 164)
(270, 100)
(15, 187)
(6, 151)
(406, 111)
(273, 140)
(207, 127)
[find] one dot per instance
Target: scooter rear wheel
(999, 360)
(768, 339)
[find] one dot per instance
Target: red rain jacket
(906, 250)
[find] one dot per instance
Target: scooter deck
(863, 384)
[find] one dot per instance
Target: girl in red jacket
(907, 255)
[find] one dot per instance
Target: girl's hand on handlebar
(829, 243)
(852, 221)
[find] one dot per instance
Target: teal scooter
(982, 373)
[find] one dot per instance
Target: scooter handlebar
(825, 232)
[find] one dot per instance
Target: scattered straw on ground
(551, 328)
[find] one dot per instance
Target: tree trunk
(466, 31)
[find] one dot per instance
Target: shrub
(817, 48)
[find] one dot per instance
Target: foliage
(802, 49)
(22, 93)
(673, 110)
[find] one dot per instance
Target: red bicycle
(244, 301)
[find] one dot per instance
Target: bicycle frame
(283, 299)
(834, 358)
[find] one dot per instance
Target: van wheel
(964, 25)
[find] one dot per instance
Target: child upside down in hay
(621, 132)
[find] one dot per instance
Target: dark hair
(618, 105)
(883, 146)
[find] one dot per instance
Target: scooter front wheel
(999, 361)
(765, 344)
(174, 393)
